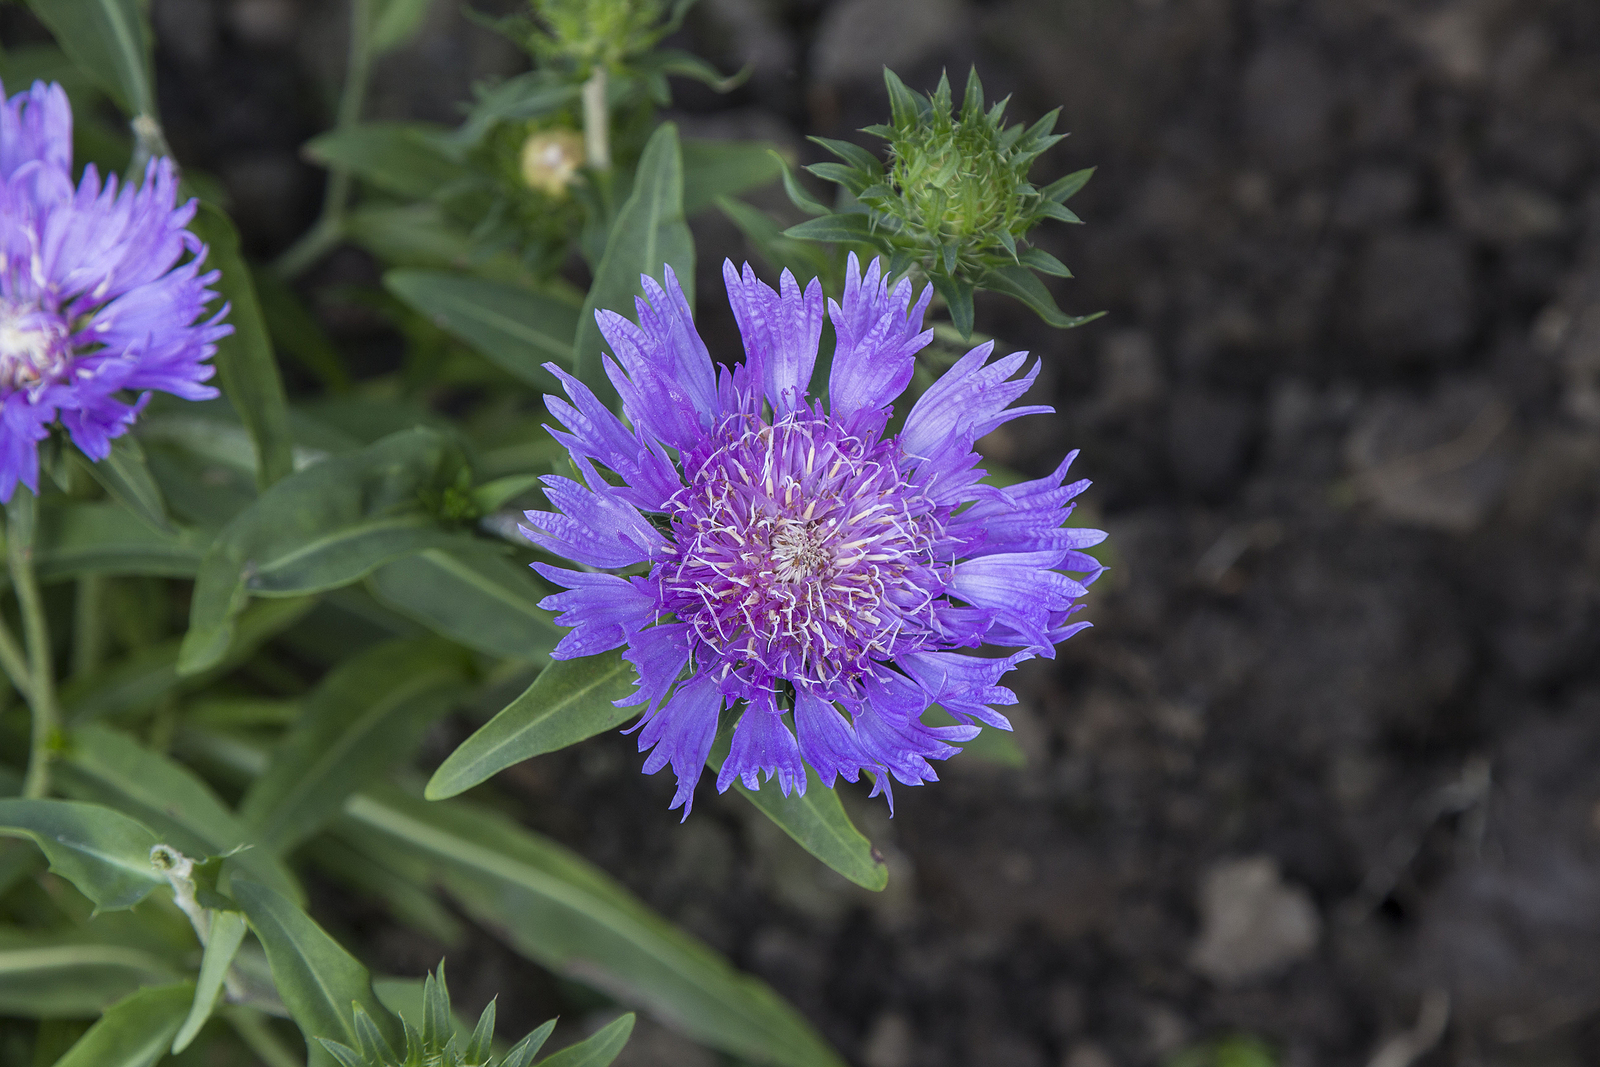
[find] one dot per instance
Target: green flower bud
(436, 1043)
(954, 202)
(599, 33)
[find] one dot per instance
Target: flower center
(800, 552)
(33, 346)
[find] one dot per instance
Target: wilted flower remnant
(754, 547)
(93, 310)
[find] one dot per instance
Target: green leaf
(227, 934)
(561, 912)
(398, 157)
(134, 1032)
(396, 22)
(1021, 283)
(65, 979)
(816, 821)
(570, 700)
(724, 168)
(99, 538)
(127, 478)
(101, 851)
(803, 258)
(526, 96)
(798, 196)
(958, 298)
(1040, 260)
(473, 595)
(1063, 188)
(1056, 211)
(151, 673)
(110, 42)
(245, 366)
(849, 228)
(294, 330)
(598, 1050)
(318, 980)
(331, 524)
(111, 767)
(361, 719)
(649, 234)
(516, 329)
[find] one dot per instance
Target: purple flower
(93, 311)
(783, 555)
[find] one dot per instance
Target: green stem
(20, 514)
(253, 1030)
(328, 230)
(14, 663)
(88, 625)
(596, 122)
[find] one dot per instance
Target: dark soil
(1343, 418)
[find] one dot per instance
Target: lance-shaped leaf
(126, 476)
(558, 910)
(397, 157)
(101, 851)
(64, 976)
(816, 821)
(1020, 282)
(134, 1032)
(474, 595)
(570, 701)
(98, 538)
(713, 169)
(109, 766)
(331, 524)
(598, 1050)
(110, 42)
(319, 981)
(514, 328)
(246, 369)
(363, 718)
(227, 934)
(649, 233)
(151, 673)
(395, 22)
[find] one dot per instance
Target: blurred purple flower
(790, 557)
(93, 311)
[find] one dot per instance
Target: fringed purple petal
(681, 733)
(35, 125)
(968, 401)
(594, 433)
(878, 341)
(659, 654)
(964, 685)
(827, 740)
(780, 333)
(762, 744)
(602, 609)
(594, 527)
(1020, 589)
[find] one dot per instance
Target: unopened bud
(550, 160)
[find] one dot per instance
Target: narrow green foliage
(435, 1043)
(953, 201)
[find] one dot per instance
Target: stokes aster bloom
(91, 303)
(795, 561)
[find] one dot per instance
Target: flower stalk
(21, 513)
